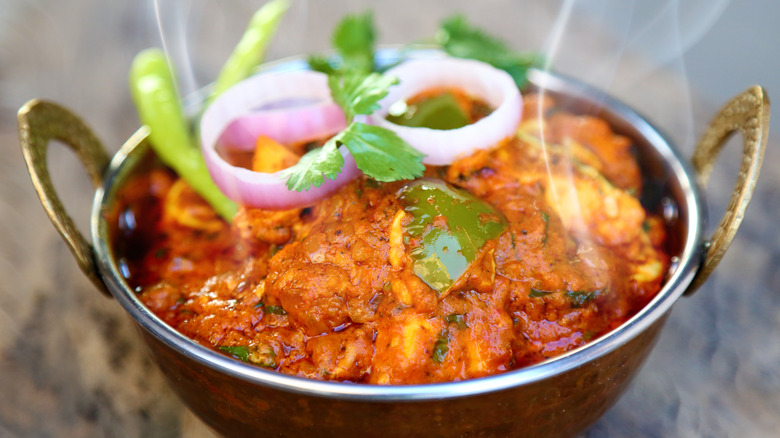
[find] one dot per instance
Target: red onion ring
(475, 78)
(285, 125)
(238, 113)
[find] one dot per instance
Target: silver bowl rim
(675, 286)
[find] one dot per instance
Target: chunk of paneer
(271, 156)
(587, 206)
(404, 348)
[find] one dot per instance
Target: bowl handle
(747, 113)
(39, 123)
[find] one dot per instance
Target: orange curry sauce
(328, 292)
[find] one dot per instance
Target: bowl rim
(689, 261)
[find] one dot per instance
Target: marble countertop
(72, 364)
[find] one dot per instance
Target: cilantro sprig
(461, 39)
(379, 152)
(353, 38)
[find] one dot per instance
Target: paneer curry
(502, 259)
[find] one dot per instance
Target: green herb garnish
(457, 320)
(441, 347)
(546, 219)
(275, 310)
(262, 355)
(353, 40)
(240, 352)
(580, 297)
(380, 153)
(538, 293)
(459, 38)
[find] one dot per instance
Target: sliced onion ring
(285, 125)
(239, 113)
(482, 81)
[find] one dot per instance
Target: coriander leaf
(276, 310)
(441, 347)
(381, 153)
(354, 38)
(538, 293)
(580, 297)
(459, 38)
(359, 94)
(457, 320)
(241, 352)
(314, 167)
(321, 64)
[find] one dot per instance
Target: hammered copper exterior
(559, 406)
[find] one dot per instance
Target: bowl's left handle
(39, 123)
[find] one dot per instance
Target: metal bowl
(558, 397)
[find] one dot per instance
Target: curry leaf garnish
(459, 38)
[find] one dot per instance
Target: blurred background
(71, 363)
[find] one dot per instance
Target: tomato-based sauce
(338, 290)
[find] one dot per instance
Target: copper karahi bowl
(558, 397)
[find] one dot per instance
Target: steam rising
(618, 46)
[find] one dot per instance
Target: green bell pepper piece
(443, 250)
(438, 112)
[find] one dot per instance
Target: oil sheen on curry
(500, 260)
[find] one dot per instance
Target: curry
(500, 260)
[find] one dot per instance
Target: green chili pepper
(443, 250)
(250, 49)
(159, 108)
(437, 112)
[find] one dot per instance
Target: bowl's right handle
(747, 113)
(39, 123)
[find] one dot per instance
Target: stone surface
(71, 363)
